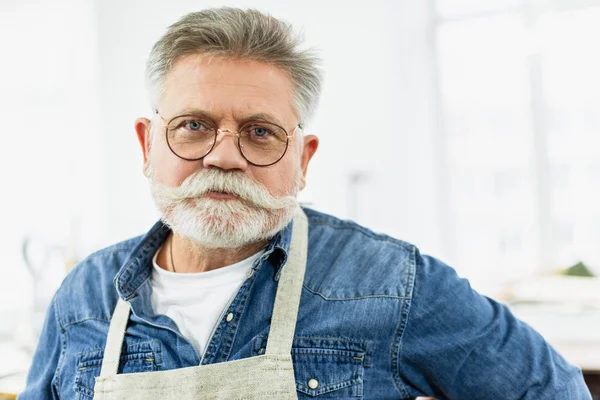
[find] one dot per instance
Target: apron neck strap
(114, 341)
(289, 289)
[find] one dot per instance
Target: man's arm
(40, 384)
(458, 344)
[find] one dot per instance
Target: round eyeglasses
(192, 137)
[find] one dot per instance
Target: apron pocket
(138, 357)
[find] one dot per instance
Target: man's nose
(225, 154)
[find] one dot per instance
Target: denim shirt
(377, 320)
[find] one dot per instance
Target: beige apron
(268, 376)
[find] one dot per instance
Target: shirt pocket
(137, 357)
(325, 368)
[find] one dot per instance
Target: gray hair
(236, 33)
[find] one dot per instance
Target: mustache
(215, 180)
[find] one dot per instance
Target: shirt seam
(374, 296)
(63, 339)
(404, 314)
(142, 283)
(86, 319)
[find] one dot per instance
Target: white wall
(377, 114)
(51, 157)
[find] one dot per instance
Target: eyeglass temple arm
(293, 135)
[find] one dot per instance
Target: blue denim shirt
(377, 320)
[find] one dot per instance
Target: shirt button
(229, 317)
(313, 384)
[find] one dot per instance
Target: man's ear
(311, 143)
(142, 129)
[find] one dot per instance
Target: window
(519, 89)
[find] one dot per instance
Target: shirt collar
(278, 249)
(137, 268)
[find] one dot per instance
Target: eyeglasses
(192, 137)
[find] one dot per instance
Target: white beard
(255, 216)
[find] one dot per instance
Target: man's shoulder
(106, 261)
(88, 292)
(325, 224)
(347, 260)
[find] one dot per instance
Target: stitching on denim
(86, 319)
(80, 388)
(410, 282)
(138, 281)
(365, 346)
(335, 339)
(397, 343)
(63, 350)
(84, 390)
(375, 296)
(150, 342)
(143, 243)
(134, 293)
(315, 353)
(57, 313)
(97, 363)
(363, 343)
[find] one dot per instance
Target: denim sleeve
(46, 361)
(458, 344)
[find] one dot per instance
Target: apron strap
(289, 290)
(114, 340)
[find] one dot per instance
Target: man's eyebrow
(264, 117)
(197, 112)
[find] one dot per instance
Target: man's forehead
(227, 86)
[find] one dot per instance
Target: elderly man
(238, 292)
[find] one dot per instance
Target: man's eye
(194, 125)
(260, 131)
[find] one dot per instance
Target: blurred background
(470, 128)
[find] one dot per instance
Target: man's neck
(190, 257)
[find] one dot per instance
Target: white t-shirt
(196, 301)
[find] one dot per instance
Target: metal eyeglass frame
(227, 132)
